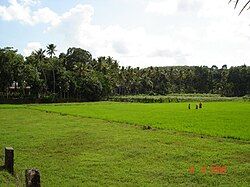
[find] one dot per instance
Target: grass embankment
(175, 98)
(79, 151)
(223, 119)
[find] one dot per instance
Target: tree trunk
(45, 79)
(54, 79)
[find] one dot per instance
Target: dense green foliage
(75, 75)
(78, 151)
(224, 119)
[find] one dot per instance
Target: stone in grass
(32, 178)
(146, 127)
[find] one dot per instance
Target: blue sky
(135, 32)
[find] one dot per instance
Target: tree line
(76, 75)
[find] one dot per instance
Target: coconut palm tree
(51, 49)
(40, 54)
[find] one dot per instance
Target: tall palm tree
(40, 55)
(51, 49)
(247, 3)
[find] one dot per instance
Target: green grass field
(224, 119)
(103, 144)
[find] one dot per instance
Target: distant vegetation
(175, 98)
(76, 76)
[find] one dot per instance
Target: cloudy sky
(135, 32)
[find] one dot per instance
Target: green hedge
(174, 98)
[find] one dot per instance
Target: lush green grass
(224, 119)
(72, 150)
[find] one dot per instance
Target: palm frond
(244, 7)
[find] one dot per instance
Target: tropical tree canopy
(75, 75)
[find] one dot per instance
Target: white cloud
(171, 7)
(120, 47)
(16, 11)
(212, 42)
(21, 11)
(29, 2)
(114, 40)
(199, 33)
(31, 46)
(210, 32)
(162, 7)
(82, 13)
(45, 15)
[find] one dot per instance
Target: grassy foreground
(224, 119)
(71, 150)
